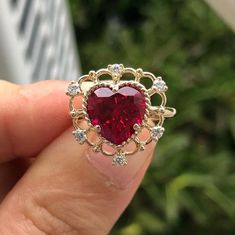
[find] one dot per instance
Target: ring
(118, 110)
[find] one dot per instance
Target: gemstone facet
(120, 159)
(79, 135)
(73, 88)
(160, 85)
(116, 69)
(116, 112)
(157, 132)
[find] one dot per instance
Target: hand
(49, 184)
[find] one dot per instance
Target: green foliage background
(190, 186)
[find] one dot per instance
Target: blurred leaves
(190, 186)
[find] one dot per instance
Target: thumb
(71, 190)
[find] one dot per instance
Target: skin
(49, 184)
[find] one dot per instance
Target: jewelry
(118, 110)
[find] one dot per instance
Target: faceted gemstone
(157, 132)
(116, 112)
(120, 159)
(116, 69)
(73, 88)
(160, 85)
(79, 135)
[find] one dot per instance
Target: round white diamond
(79, 135)
(157, 132)
(160, 85)
(73, 88)
(116, 69)
(120, 159)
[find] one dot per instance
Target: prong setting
(98, 128)
(159, 85)
(73, 89)
(157, 132)
(80, 135)
(136, 127)
(119, 159)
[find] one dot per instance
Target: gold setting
(155, 113)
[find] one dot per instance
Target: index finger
(31, 116)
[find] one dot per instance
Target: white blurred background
(36, 41)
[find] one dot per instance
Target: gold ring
(118, 110)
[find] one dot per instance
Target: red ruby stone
(116, 112)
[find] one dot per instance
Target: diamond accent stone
(116, 69)
(120, 159)
(80, 135)
(73, 88)
(157, 132)
(160, 85)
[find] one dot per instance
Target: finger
(10, 172)
(31, 116)
(72, 190)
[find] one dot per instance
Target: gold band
(167, 112)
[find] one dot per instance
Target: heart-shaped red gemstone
(116, 112)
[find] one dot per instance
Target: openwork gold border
(155, 113)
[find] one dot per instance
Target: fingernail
(121, 176)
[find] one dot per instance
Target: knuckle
(44, 220)
(63, 213)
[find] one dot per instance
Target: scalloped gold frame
(155, 113)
